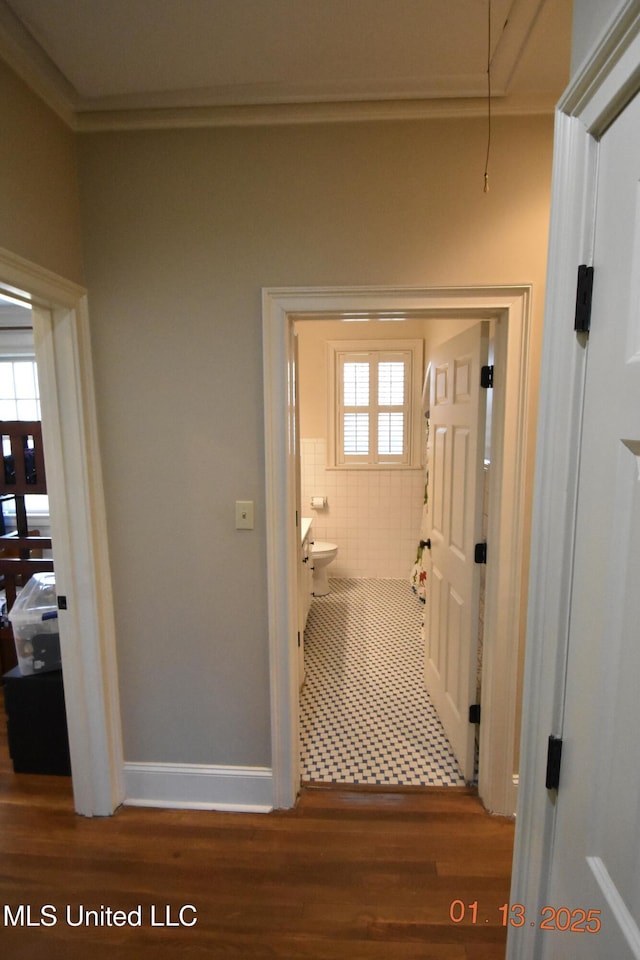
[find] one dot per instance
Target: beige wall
(182, 229)
(39, 208)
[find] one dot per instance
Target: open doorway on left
(34, 736)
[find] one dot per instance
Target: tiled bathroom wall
(372, 515)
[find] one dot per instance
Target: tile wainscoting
(372, 515)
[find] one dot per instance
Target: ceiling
(99, 61)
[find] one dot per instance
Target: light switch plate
(244, 514)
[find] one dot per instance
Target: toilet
(322, 553)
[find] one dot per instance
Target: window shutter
(391, 383)
(356, 434)
(391, 434)
(375, 390)
(391, 393)
(356, 384)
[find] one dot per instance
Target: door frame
(78, 524)
(605, 83)
(510, 306)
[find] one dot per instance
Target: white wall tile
(372, 515)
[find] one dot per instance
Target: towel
(418, 576)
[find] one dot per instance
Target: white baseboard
(194, 786)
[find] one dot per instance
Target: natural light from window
(374, 401)
(20, 400)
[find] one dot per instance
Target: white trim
(30, 283)
(61, 334)
(511, 308)
(605, 83)
(507, 526)
(285, 114)
(559, 418)
(195, 786)
(608, 78)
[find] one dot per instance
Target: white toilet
(322, 553)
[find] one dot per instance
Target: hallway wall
(39, 203)
(182, 229)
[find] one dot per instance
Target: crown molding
(308, 113)
(195, 109)
(29, 61)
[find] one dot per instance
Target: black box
(37, 723)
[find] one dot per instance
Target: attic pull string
(486, 165)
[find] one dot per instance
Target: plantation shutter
(373, 407)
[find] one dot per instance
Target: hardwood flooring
(363, 875)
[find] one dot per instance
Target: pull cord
(486, 165)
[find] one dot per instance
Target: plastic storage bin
(34, 618)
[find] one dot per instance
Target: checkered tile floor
(365, 715)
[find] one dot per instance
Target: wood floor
(347, 875)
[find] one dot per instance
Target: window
(19, 394)
(373, 388)
(20, 400)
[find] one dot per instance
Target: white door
(594, 900)
(456, 464)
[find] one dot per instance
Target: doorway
(366, 716)
(24, 512)
(509, 307)
(32, 695)
(62, 349)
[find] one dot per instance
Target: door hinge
(554, 756)
(480, 552)
(474, 713)
(584, 296)
(486, 376)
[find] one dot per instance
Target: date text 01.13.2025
(514, 914)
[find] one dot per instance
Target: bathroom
(372, 514)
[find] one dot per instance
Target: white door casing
(295, 443)
(456, 473)
(510, 307)
(577, 850)
(596, 855)
(63, 355)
